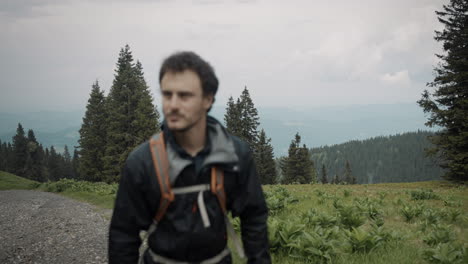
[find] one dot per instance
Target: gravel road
(41, 227)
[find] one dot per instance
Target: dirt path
(40, 227)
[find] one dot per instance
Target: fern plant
(446, 253)
(440, 234)
(363, 241)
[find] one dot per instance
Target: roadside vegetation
(424, 222)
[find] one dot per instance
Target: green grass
(9, 181)
(446, 209)
(104, 201)
(392, 197)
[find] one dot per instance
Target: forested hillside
(398, 158)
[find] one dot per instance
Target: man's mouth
(173, 117)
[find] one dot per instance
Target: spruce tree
(20, 149)
(76, 164)
(249, 119)
(335, 179)
(292, 162)
(46, 159)
(92, 141)
(54, 163)
(448, 104)
(10, 159)
(131, 116)
(146, 122)
(34, 160)
(2, 157)
(349, 178)
(232, 117)
(265, 164)
(306, 169)
(67, 164)
(298, 166)
(4, 154)
(324, 175)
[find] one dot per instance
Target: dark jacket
(180, 234)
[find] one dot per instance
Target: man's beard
(184, 129)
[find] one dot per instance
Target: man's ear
(208, 100)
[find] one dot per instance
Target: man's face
(184, 105)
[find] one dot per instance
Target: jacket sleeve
(131, 214)
(253, 214)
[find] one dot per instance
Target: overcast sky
(288, 53)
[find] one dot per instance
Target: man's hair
(188, 60)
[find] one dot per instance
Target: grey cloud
(25, 8)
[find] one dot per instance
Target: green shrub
(70, 185)
(362, 241)
(409, 213)
(318, 246)
(412, 212)
(424, 195)
(350, 216)
(440, 234)
(346, 193)
(278, 198)
(446, 253)
(312, 218)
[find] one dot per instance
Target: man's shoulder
(139, 153)
(241, 147)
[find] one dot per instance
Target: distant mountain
(317, 126)
(397, 158)
(58, 139)
(331, 125)
(50, 127)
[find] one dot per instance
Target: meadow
(423, 222)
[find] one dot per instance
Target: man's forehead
(181, 80)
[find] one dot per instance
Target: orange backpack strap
(217, 186)
(161, 167)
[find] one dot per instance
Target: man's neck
(194, 139)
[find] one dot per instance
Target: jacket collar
(220, 147)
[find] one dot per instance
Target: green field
(9, 181)
(424, 222)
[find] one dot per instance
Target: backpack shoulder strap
(161, 167)
(217, 186)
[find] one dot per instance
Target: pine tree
(76, 164)
(10, 159)
(306, 166)
(349, 178)
(131, 116)
(448, 106)
(47, 176)
(232, 117)
(93, 136)
(335, 179)
(292, 162)
(54, 163)
(324, 175)
(146, 122)
(20, 149)
(67, 164)
(34, 160)
(3, 156)
(249, 120)
(298, 167)
(265, 164)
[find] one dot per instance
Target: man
(193, 227)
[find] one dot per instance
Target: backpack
(161, 167)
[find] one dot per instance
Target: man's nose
(174, 102)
